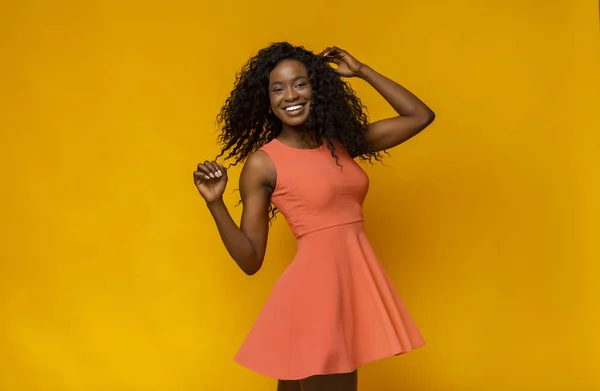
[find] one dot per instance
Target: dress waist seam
(360, 220)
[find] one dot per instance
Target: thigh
(288, 385)
(337, 382)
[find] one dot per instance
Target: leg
(288, 385)
(337, 382)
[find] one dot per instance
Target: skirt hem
(326, 371)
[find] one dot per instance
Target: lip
(295, 112)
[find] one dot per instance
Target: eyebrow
(294, 79)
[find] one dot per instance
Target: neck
(300, 138)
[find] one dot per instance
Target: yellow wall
(112, 276)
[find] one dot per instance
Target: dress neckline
(300, 149)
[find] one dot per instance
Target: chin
(296, 123)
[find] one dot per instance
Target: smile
(294, 108)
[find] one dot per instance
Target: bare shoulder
(260, 170)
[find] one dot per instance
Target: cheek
(308, 94)
(273, 105)
(274, 100)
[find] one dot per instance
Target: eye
(277, 90)
(301, 85)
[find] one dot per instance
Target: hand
(347, 65)
(211, 180)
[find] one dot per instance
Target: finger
(205, 170)
(199, 177)
(338, 51)
(223, 170)
(325, 52)
(216, 169)
(210, 168)
(201, 166)
(335, 60)
(335, 56)
(333, 51)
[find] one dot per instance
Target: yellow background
(113, 277)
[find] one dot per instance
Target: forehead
(288, 70)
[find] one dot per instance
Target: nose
(291, 94)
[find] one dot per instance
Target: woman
(297, 126)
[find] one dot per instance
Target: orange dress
(334, 308)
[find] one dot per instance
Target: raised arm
(413, 114)
(247, 243)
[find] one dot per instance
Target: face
(290, 92)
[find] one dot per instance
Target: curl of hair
(336, 113)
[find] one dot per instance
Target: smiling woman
(334, 309)
(290, 93)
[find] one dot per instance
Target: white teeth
(292, 108)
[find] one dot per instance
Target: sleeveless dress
(334, 308)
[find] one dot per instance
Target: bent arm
(413, 114)
(247, 244)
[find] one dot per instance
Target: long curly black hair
(336, 113)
